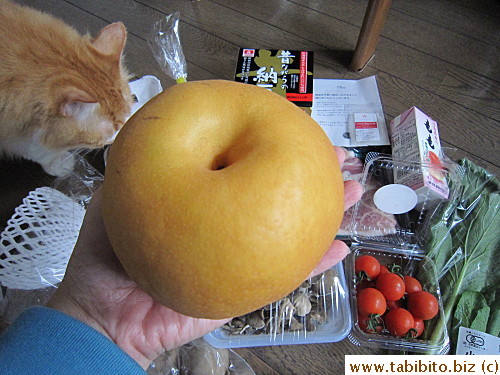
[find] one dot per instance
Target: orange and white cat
(59, 91)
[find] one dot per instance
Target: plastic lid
(398, 198)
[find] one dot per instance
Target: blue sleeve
(45, 341)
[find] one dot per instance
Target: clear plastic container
(381, 222)
(390, 223)
(413, 265)
(316, 312)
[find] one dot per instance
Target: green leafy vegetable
(472, 311)
(494, 321)
(464, 244)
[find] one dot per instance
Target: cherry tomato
(371, 301)
(398, 322)
(391, 285)
(370, 325)
(417, 329)
(412, 285)
(367, 267)
(423, 305)
(383, 269)
(394, 304)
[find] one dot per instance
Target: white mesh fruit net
(36, 244)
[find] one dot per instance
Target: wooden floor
(439, 55)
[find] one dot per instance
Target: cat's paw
(61, 165)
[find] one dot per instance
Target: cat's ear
(111, 40)
(74, 101)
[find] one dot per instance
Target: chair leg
(375, 15)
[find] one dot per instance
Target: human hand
(97, 291)
(338, 250)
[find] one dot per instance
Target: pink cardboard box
(415, 138)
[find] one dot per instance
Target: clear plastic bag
(166, 46)
(464, 242)
(199, 358)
